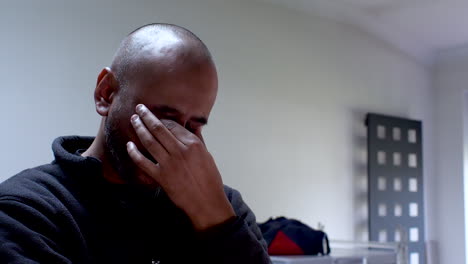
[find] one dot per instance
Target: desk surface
(342, 256)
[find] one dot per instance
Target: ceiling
(420, 28)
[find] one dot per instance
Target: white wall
(451, 82)
(293, 93)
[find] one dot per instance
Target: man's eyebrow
(167, 109)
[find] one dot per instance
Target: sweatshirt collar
(67, 156)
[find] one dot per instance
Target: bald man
(145, 189)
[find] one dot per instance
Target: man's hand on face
(185, 169)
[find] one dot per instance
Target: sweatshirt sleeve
(237, 241)
(26, 235)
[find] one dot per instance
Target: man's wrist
(205, 219)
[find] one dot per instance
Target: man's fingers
(142, 162)
(149, 142)
(181, 133)
(158, 130)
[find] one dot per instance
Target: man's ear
(105, 91)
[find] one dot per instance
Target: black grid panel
(395, 183)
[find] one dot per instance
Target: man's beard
(116, 148)
(117, 151)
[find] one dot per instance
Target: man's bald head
(162, 48)
(164, 67)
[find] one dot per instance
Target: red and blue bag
(291, 237)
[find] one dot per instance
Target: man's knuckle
(157, 127)
(195, 143)
(149, 143)
(179, 153)
(192, 148)
(170, 124)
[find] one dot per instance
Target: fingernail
(139, 108)
(134, 118)
(129, 144)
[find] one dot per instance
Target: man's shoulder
(232, 194)
(244, 212)
(30, 184)
(235, 198)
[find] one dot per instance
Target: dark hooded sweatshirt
(66, 212)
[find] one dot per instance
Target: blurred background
(296, 80)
